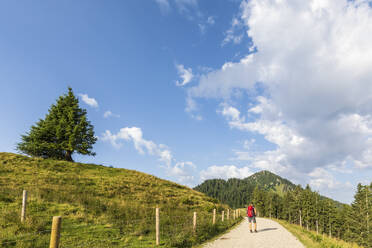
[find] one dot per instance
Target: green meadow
(100, 206)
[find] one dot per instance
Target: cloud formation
(321, 178)
(312, 65)
(211, 20)
(109, 114)
(182, 171)
(142, 145)
(225, 172)
(185, 74)
(90, 101)
(235, 33)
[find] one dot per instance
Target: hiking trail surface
(270, 234)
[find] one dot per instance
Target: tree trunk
(68, 156)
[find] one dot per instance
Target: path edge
(294, 235)
(220, 235)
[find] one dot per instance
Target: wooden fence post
(56, 230)
(300, 219)
(223, 216)
(317, 227)
(234, 214)
(194, 223)
(157, 226)
(24, 205)
(214, 216)
(228, 214)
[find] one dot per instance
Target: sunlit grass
(311, 239)
(100, 206)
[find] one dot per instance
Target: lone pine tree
(64, 131)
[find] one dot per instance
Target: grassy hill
(236, 192)
(100, 206)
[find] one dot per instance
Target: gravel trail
(270, 234)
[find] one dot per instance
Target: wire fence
(87, 224)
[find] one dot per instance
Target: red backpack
(250, 211)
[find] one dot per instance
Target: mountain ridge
(237, 192)
(264, 180)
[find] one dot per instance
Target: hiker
(251, 213)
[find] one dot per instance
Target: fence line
(58, 232)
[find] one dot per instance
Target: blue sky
(200, 89)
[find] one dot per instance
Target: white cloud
(185, 74)
(108, 114)
(268, 125)
(90, 101)
(191, 107)
(225, 172)
(313, 61)
(231, 113)
(235, 33)
(248, 144)
(222, 83)
(211, 20)
(204, 24)
(142, 145)
(323, 179)
(182, 171)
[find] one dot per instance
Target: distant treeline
(352, 223)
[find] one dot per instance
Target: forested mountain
(276, 197)
(238, 192)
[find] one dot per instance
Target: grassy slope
(101, 206)
(270, 182)
(311, 240)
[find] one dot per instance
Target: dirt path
(270, 234)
